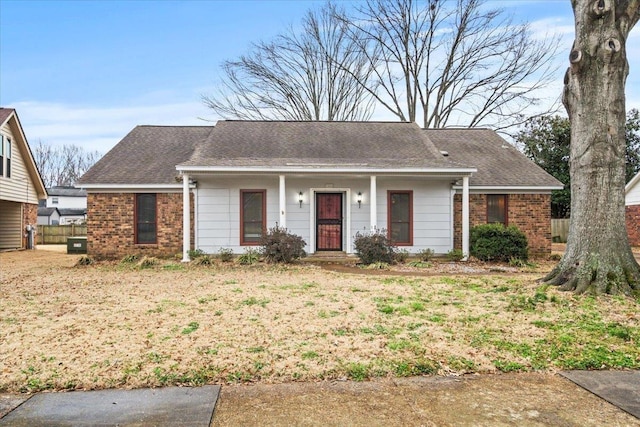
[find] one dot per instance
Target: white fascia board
(132, 188)
(509, 189)
(311, 169)
(632, 183)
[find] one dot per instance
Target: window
(253, 220)
(146, 227)
(54, 200)
(8, 171)
(400, 217)
(497, 209)
(1, 155)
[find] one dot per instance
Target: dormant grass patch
(124, 325)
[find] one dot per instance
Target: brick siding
(111, 228)
(531, 213)
(632, 215)
(29, 216)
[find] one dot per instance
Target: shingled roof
(499, 163)
(147, 155)
(285, 144)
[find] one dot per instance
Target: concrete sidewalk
(528, 399)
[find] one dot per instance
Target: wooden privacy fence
(57, 234)
(559, 230)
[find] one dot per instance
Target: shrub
(128, 259)
(455, 255)
(278, 245)
(374, 247)
(225, 255)
(195, 253)
(202, 260)
(84, 260)
(426, 255)
(146, 262)
(250, 256)
(495, 242)
(402, 255)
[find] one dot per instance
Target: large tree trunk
(598, 258)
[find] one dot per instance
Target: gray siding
(218, 209)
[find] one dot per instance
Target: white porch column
(283, 202)
(465, 217)
(373, 204)
(186, 219)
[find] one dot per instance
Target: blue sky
(87, 72)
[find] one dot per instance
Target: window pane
(146, 229)
(252, 216)
(252, 204)
(496, 208)
(400, 233)
(399, 207)
(146, 233)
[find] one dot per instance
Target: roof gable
(278, 144)
(147, 155)
(499, 163)
(9, 116)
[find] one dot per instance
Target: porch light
(359, 199)
(300, 199)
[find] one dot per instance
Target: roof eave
(311, 169)
(511, 188)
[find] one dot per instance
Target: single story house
(48, 216)
(324, 181)
(632, 209)
(20, 183)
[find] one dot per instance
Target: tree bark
(598, 258)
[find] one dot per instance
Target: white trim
(107, 186)
(508, 189)
(373, 203)
(631, 183)
(312, 169)
(186, 220)
(282, 204)
(465, 218)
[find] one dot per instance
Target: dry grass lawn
(119, 325)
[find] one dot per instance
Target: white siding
(67, 202)
(19, 187)
(633, 196)
(10, 225)
(218, 200)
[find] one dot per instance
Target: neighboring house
(632, 209)
(324, 181)
(71, 203)
(48, 216)
(20, 183)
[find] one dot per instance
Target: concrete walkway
(529, 399)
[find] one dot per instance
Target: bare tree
(441, 63)
(64, 165)
(598, 258)
(297, 76)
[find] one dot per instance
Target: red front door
(329, 221)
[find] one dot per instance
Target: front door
(329, 221)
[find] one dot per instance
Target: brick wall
(531, 213)
(29, 216)
(633, 224)
(110, 226)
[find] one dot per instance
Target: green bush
(426, 255)
(225, 255)
(195, 253)
(455, 255)
(374, 248)
(401, 256)
(278, 245)
(495, 242)
(250, 256)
